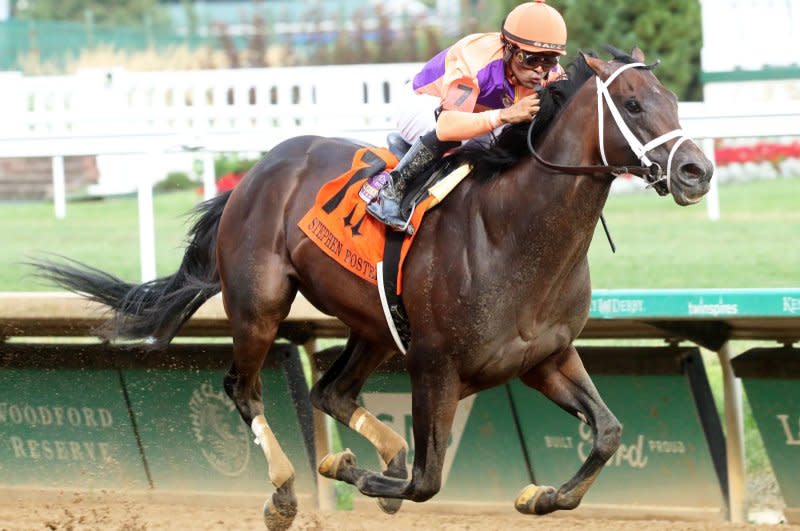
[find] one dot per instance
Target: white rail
(117, 102)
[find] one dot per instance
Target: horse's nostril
(692, 171)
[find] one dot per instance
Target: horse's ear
(637, 54)
(600, 67)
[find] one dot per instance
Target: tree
(666, 30)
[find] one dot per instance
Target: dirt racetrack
(122, 511)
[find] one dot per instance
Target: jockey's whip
(608, 233)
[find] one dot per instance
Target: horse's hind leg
(563, 379)
(336, 393)
(254, 318)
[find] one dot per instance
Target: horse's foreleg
(563, 379)
(281, 508)
(336, 393)
(435, 395)
(243, 385)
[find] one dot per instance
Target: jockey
(480, 83)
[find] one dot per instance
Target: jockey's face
(531, 69)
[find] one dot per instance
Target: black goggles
(535, 60)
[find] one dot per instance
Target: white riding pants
(415, 116)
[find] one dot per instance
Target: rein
(640, 171)
(649, 171)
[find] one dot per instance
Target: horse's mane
(488, 158)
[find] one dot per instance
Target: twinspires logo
(713, 309)
(792, 438)
(219, 432)
(394, 409)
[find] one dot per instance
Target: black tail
(155, 309)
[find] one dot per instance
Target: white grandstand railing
(102, 102)
(115, 112)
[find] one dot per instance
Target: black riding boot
(419, 158)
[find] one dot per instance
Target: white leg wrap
(280, 468)
(382, 437)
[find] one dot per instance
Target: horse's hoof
(528, 498)
(277, 520)
(332, 464)
(396, 468)
(281, 508)
(389, 505)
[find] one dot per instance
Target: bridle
(649, 171)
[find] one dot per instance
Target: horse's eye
(633, 106)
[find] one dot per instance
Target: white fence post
(59, 187)
(209, 176)
(712, 199)
(147, 239)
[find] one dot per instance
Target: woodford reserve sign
(67, 427)
(166, 426)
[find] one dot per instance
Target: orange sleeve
(458, 125)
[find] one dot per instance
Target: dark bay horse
(496, 286)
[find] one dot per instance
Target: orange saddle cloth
(339, 224)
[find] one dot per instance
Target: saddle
(340, 226)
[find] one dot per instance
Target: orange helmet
(536, 27)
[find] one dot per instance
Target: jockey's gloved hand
(522, 111)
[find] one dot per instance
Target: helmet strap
(508, 51)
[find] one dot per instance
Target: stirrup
(393, 220)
